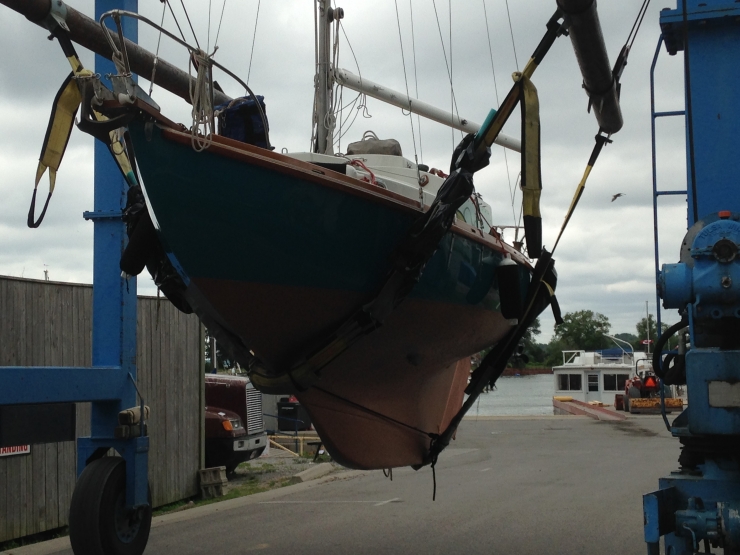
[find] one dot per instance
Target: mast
(324, 78)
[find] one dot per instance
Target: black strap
(32, 210)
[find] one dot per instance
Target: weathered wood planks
(50, 324)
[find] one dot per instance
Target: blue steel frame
(110, 384)
(653, 116)
(707, 30)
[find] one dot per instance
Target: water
(517, 396)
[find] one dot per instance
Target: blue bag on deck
(240, 120)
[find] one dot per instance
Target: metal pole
(647, 326)
(360, 84)
(323, 134)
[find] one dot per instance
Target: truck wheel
(99, 523)
(626, 403)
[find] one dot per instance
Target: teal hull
(276, 254)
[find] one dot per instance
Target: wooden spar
(87, 33)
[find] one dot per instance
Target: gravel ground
(272, 469)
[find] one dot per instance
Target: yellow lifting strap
(531, 167)
(601, 140)
(63, 113)
(523, 91)
(62, 118)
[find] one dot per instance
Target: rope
(362, 98)
(375, 413)
(202, 107)
(360, 164)
(254, 37)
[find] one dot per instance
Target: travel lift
(110, 511)
(111, 506)
(698, 506)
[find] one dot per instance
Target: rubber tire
(92, 513)
(626, 404)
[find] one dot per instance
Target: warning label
(17, 450)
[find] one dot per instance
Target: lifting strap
(62, 118)
(525, 92)
(59, 129)
(422, 240)
(531, 168)
(601, 140)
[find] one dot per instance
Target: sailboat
(360, 283)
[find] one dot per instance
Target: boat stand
(112, 493)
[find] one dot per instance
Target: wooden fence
(50, 324)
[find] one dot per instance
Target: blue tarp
(614, 352)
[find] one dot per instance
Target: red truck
(235, 428)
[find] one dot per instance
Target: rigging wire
(447, 65)
(512, 191)
(182, 35)
(638, 22)
(254, 37)
(511, 30)
(361, 97)
(314, 117)
(416, 79)
(405, 78)
(218, 33)
(156, 54)
(189, 23)
(452, 90)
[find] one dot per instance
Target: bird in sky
(615, 197)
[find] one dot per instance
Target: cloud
(606, 257)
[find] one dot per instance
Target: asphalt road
(560, 485)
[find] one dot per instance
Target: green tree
(628, 337)
(554, 352)
(583, 329)
(642, 329)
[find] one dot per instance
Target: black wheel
(626, 403)
(99, 523)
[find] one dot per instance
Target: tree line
(584, 330)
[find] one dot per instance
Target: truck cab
(234, 428)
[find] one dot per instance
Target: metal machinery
(110, 511)
(697, 507)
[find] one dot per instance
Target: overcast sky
(605, 260)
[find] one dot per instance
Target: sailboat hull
(277, 253)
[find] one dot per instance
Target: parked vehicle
(235, 428)
(642, 392)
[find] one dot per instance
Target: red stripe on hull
(359, 434)
(406, 371)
